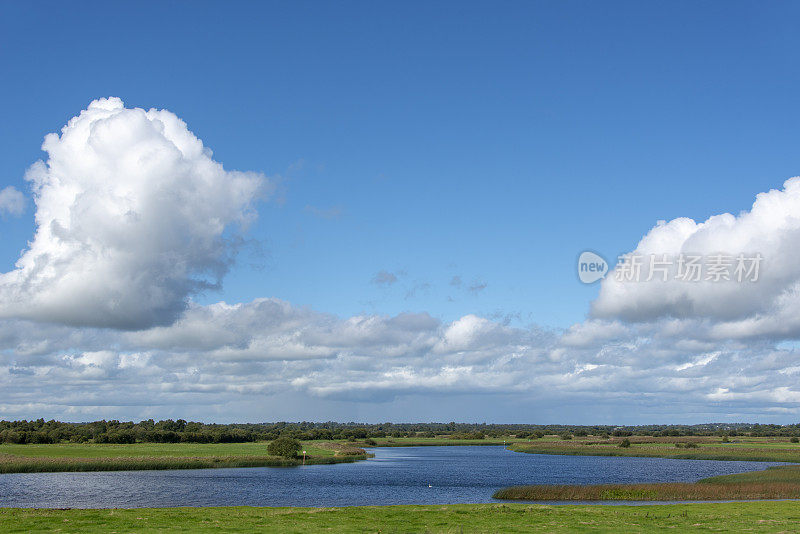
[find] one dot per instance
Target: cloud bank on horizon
(134, 217)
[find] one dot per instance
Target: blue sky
(492, 142)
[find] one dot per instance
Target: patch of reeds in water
(10, 463)
(652, 492)
(772, 483)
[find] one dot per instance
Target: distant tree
(795, 439)
(566, 435)
(284, 446)
(625, 443)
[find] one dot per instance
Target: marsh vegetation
(774, 483)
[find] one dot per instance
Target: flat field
(700, 447)
(459, 518)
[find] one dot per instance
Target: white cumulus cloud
(770, 229)
(133, 216)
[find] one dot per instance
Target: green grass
(709, 448)
(315, 448)
(84, 450)
(103, 457)
(466, 518)
(780, 482)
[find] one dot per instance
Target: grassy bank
(98, 457)
(700, 448)
(774, 483)
(464, 518)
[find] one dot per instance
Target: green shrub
(625, 443)
(795, 439)
(284, 446)
(566, 435)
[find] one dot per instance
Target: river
(402, 475)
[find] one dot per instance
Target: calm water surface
(399, 475)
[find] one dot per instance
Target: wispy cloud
(477, 286)
(474, 287)
(12, 202)
(333, 212)
(384, 278)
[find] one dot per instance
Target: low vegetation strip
(651, 492)
(26, 464)
(773, 483)
(765, 451)
(468, 518)
(32, 458)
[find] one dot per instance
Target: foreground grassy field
(700, 448)
(101, 457)
(459, 518)
(780, 482)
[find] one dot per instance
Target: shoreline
(773, 483)
(706, 451)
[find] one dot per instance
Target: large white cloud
(133, 216)
(770, 229)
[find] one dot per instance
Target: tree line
(181, 431)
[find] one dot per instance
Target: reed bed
(10, 463)
(652, 492)
(772, 483)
